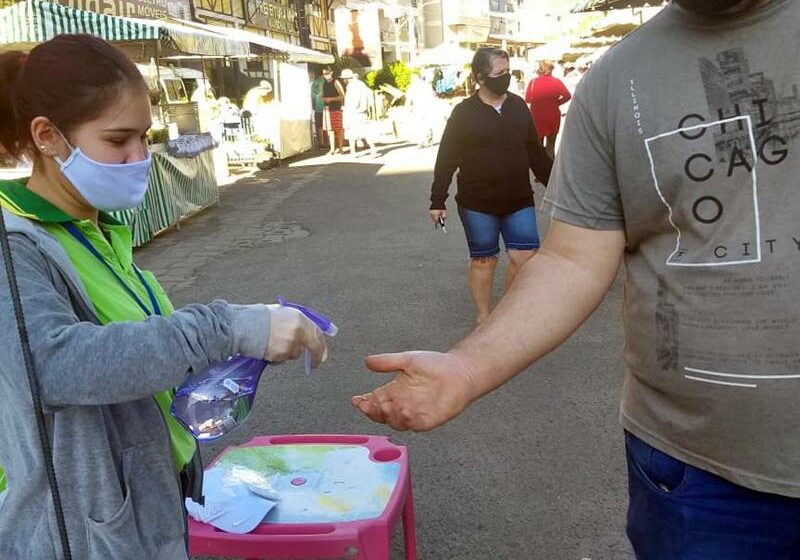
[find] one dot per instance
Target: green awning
(30, 22)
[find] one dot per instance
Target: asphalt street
(534, 471)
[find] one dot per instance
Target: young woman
(107, 345)
(491, 139)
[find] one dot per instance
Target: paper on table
(230, 504)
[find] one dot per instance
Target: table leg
(409, 525)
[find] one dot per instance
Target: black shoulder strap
(27, 356)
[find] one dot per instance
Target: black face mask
(498, 85)
(713, 7)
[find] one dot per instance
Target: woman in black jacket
(492, 140)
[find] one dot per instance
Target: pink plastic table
(365, 539)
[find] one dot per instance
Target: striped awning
(27, 23)
(294, 53)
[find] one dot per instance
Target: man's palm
(428, 390)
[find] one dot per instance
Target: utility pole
(411, 18)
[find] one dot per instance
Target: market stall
(182, 179)
(179, 187)
(283, 116)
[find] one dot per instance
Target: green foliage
(158, 136)
(397, 74)
(402, 74)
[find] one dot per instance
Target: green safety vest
(114, 242)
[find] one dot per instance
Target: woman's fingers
(291, 332)
(315, 342)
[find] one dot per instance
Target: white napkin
(234, 501)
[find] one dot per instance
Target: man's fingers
(380, 409)
(369, 408)
(387, 363)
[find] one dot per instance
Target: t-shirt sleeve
(583, 189)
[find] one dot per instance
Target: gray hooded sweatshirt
(111, 447)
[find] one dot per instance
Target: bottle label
(232, 386)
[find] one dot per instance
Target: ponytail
(11, 65)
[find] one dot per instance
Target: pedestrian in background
(711, 306)
(546, 94)
(319, 108)
(571, 80)
(108, 347)
(423, 117)
(357, 101)
(517, 86)
(333, 98)
(491, 139)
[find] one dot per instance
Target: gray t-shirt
(685, 135)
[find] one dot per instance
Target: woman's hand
(428, 390)
(436, 214)
(291, 332)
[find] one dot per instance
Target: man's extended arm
(554, 293)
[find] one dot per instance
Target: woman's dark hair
(70, 79)
(482, 61)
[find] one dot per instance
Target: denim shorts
(680, 512)
(519, 230)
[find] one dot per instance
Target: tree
(397, 74)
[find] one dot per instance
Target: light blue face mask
(106, 186)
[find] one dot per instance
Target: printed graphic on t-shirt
(706, 171)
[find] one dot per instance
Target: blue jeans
(519, 231)
(679, 512)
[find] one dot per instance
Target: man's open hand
(429, 389)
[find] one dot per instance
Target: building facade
(300, 22)
(463, 22)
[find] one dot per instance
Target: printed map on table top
(320, 483)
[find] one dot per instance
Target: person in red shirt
(545, 94)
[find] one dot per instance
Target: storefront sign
(151, 9)
(322, 46)
(273, 16)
